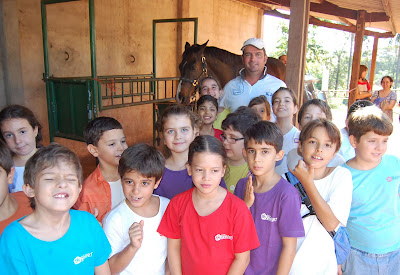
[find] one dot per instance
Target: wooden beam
(297, 46)
(345, 21)
(355, 68)
(255, 4)
(373, 61)
(388, 11)
(317, 22)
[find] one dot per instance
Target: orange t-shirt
(23, 209)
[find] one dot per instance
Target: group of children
(264, 227)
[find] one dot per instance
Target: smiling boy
(102, 190)
(54, 239)
(131, 227)
(274, 203)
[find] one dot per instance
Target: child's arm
(305, 175)
(103, 269)
(240, 263)
(174, 256)
(287, 255)
(121, 260)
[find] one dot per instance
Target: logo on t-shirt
(80, 259)
(266, 217)
(389, 179)
(220, 237)
(237, 91)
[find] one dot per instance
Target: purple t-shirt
(176, 182)
(276, 214)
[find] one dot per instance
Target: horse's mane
(222, 55)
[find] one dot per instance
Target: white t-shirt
(290, 141)
(117, 194)
(346, 150)
(293, 159)
(18, 180)
(316, 251)
(151, 256)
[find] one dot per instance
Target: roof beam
(345, 21)
(317, 22)
(388, 11)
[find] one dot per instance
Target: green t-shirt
(233, 174)
(221, 116)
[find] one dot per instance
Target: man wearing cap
(253, 79)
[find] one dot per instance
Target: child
(207, 108)
(102, 190)
(274, 203)
(346, 150)
(284, 105)
(209, 230)
(309, 111)
(20, 130)
(13, 206)
(179, 127)
(364, 89)
(210, 86)
(329, 190)
(261, 105)
(374, 219)
(131, 227)
(234, 127)
(53, 238)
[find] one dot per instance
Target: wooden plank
(373, 61)
(356, 57)
(298, 30)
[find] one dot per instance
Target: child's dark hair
(358, 104)
(96, 127)
(264, 131)
(369, 118)
(262, 99)
(241, 119)
(207, 98)
(144, 159)
(329, 126)
(290, 91)
(18, 111)
(47, 157)
(208, 144)
(317, 102)
(178, 110)
(210, 77)
(6, 161)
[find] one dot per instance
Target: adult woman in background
(385, 98)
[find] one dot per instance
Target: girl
(210, 86)
(284, 106)
(261, 105)
(207, 108)
(209, 230)
(178, 126)
(364, 89)
(21, 131)
(385, 98)
(329, 190)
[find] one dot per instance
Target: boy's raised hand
(304, 173)
(249, 192)
(136, 234)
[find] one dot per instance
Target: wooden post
(373, 61)
(360, 26)
(297, 46)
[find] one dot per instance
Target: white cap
(256, 42)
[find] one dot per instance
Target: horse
(199, 61)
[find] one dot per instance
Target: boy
(15, 205)
(328, 190)
(274, 203)
(54, 239)
(102, 190)
(131, 227)
(374, 219)
(234, 127)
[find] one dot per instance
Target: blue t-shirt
(83, 247)
(374, 220)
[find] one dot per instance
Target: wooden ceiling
(380, 14)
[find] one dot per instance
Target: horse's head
(193, 69)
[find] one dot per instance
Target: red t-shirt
(218, 133)
(22, 210)
(209, 243)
